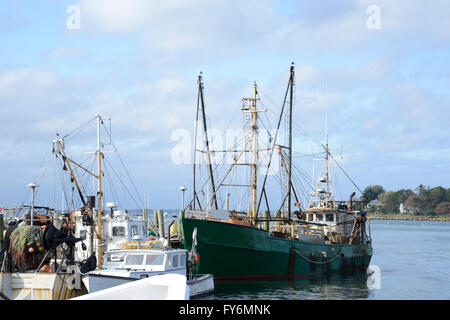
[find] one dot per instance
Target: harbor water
(410, 261)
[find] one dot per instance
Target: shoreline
(379, 216)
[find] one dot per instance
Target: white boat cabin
(122, 266)
(152, 260)
(117, 227)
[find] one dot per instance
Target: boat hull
(231, 252)
(168, 286)
(98, 281)
(39, 286)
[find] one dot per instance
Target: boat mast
(194, 192)
(254, 152)
(99, 196)
(326, 147)
(205, 129)
(291, 97)
(251, 117)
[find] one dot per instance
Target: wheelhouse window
(310, 217)
(329, 217)
(134, 259)
(83, 234)
(319, 217)
(183, 260)
(154, 259)
(115, 257)
(134, 231)
(118, 231)
(175, 261)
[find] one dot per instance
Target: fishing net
(27, 247)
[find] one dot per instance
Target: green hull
(232, 251)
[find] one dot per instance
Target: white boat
(161, 287)
(129, 265)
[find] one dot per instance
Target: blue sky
(137, 62)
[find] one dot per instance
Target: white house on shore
(408, 210)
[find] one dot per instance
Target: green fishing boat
(297, 239)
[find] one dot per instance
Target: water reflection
(331, 287)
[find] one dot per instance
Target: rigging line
(234, 114)
(301, 171)
(304, 181)
(128, 191)
(265, 119)
(113, 189)
(54, 184)
(36, 175)
(62, 180)
(305, 186)
(218, 164)
(336, 181)
(274, 141)
(87, 176)
(227, 149)
(111, 185)
(58, 174)
(270, 100)
(345, 173)
(126, 171)
(231, 167)
(77, 129)
(233, 147)
(305, 132)
(44, 172)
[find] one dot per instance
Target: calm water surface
(413, 258)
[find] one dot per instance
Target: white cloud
(176, 26)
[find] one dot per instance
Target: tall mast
(99, 196)
(291, 97)
(254, 152)
(326, 146)
(205, 129)
(194, 192)
(249, 108)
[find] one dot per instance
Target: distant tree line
(423, 200)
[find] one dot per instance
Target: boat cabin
(117, 227)
(324, 217)
(173, 261)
